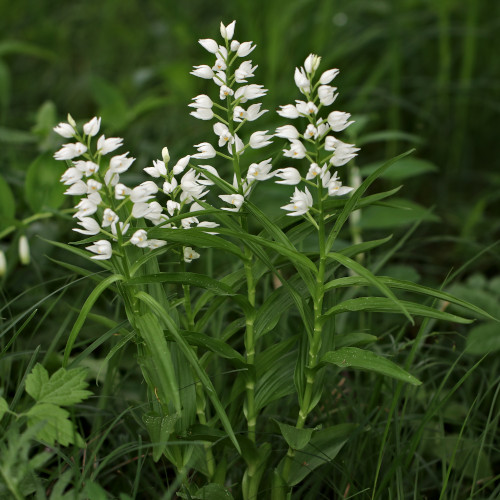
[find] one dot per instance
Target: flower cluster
(315, 143)
(230, 111)
(108, 207)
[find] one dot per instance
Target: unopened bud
(165, 155)
(24, 250)
(3, 264)
(71, 121)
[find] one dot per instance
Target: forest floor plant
(217, 366)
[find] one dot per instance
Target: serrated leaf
(368, 360)
(63, 388)
(295, 438)
(4, 406)
(56, 425)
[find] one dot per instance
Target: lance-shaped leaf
(362, 271)
(160, 365)
(382, 304)
(353, 200)
(85, 311)
(192, 279)
(368, 360)
(193, 361)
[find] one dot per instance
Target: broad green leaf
(363, 271)
(353, 200)
(353, 339)
(295, 438)
(159, 429)
(193, 361)
(13, 136)
(322, 449)
(399, 213)
(98, 290)
(212, 491)
(4, 407)
(363, 247)
(409, 287)
(212, 344)
(405, 168)
(160, 365)
(56, 425)
(63, 388)
(7, 203)
(382, 304)
(96, 492)
(113, 108)
(191, 279)
(276, 381)
(483, 339)
(368, 360)
(196, 238)
(18, 47)
(43, 188)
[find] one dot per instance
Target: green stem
(306, 401)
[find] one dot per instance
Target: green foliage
(62, 388)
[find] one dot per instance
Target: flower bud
(24, 250)
(165, 155)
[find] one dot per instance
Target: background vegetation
(415, 73)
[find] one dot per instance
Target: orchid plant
(202, 427)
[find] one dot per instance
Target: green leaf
(160, 365)
(212, 491)
(193, 361)
(113, 108)
(197, 238)
(212, 344)
(43, 188)
(159, 429)
(98, 290)
(7, 203)
(63, 388)
(409, 287)
(353, 200)
(322, 449)
(13, 136)
(295, 438)
(381, 304)
(368, 360)
(56, 425)
(192, 279)
(405, 168)
(4, 407)
(362, 271)
(354, 338)
(400, 213)
(483, 339)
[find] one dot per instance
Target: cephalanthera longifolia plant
(231, 400)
